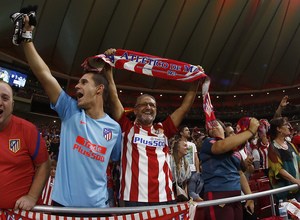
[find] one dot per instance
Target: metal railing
(126, 210)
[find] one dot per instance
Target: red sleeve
(125, 122)
(296, 139)
(36, 146)
(169, 127)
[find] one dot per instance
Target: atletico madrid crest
(14, 145)
(107, 133)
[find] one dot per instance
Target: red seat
(253, 185)
(263, 203)
(257, 175)
(263, 184)
(200, 213)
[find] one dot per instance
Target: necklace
(284, 146)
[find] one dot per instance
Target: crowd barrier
(160, 210)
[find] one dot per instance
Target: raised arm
(281, 106)
(229, 143)
(117, 109)
(187, 103)
(40, 69)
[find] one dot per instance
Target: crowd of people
(98, 160)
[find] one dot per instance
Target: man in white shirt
(191, 156)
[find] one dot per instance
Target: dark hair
(227, 124)
(99, 79)
(53, 163)
(274, 124)
(181, 128)
(142, 96)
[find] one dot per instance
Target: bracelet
(27, 36)
(251, 133)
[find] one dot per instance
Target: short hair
(99, 79)
(142, 96)
(227, 124)
(181, 128)
(274, 124)
(53, 163)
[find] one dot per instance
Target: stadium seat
(200, 213)
(263, 184)
(263, 203)
(257, 175)
(253, 185)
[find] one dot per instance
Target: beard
(146, 120)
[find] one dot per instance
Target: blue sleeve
(65, 105)
(116, 152)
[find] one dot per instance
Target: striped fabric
(156, 67)
(175, 212)
(46, 195)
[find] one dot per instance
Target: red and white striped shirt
(263, 151)
(146, 174)
(46, 195)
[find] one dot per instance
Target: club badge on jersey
(107, 133)
(14, 145)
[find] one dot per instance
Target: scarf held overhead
(157, 67)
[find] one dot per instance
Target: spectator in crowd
(222, 173)
(24, 164)
(229, 129)
(54, 146)
(180, 167)
(145, 176)
(255, 152)
(192, 155)
(263, 144)
(88, 139)
(296, 138)
(196, 186)
(283, 160)
(247, 158)
(46, 195)
(110, 185)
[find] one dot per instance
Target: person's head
(179, 150)
(53, 164)
(279, 128)
(90, 88)
(6, 104)
(145, 109)
(218, 130)
(229, 129)
(184, 132)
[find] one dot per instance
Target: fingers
(200, 68)
(110, 52)
(254, 123)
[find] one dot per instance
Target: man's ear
(100, 89)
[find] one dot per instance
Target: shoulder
(20, 122)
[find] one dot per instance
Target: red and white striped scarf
(184, 211)
(156, 67)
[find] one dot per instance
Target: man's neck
(144, 124)
(95, 113)
(184, 138)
